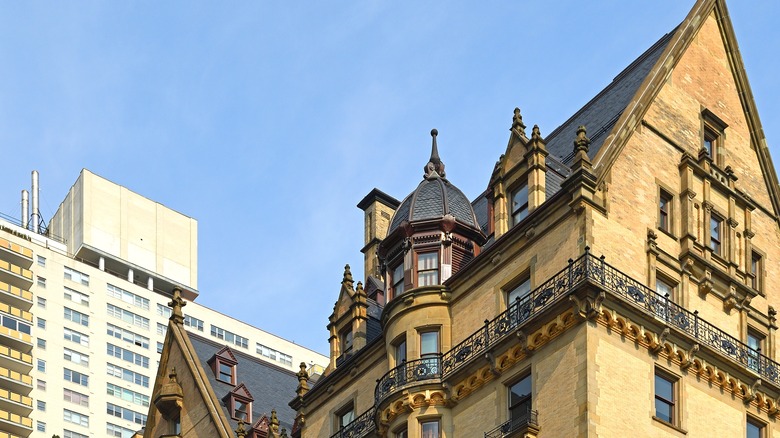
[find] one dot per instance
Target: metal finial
(435, 167)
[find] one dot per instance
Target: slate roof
(434, 198)
(271, 387)
(602, 112)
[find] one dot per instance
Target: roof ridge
(615, 81)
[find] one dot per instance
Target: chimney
(378, 208)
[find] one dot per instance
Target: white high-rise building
(83, 312)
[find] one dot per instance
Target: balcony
(15, 296)
(8, 435)
(14, 423)
(16, 254)
(586, 270)
(15, 360)
(15, 274)
(13, 402)
(359, 427)
(524, 425)
(15, 381)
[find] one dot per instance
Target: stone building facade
(615, 278)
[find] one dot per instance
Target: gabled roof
(600, 113)
(271, 387)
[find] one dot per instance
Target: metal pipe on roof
(36, 214)
(25, 209)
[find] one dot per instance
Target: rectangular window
(519, 204)
(127, 355)
(40, 426)
(76, 398)
(665, 397)
(41, 282)
(520, 291)
(345, 415)
(427, 268)
(430, 429)
(755, 342)
(756, 269)
(76, 337)
(755, 428)
(403, 433)
(76, 276)
(13, 324)
(41, 406)
(159, 347)
(195, 323)
(398, 280)
(161, 329)
(76, 377)
(716, 229)
(230, 337)
(127, 316)
(127, 375)
(664, 211)
(125, 414)
(76, 297)
(41, 385)
(117, 431)
(41, 365)
(77, 317)
(41, 343)
(42, 261)
(41, 302)
(127, 336)
(241, 410)
(127, 395)
(41, 323)
(127, 297)
(225, 372)
(400, 351)
(520, 402)
(72, 434)
(429, 351)
(285, 359)
(75, 357)
(346, 341)
(664, 287)
(75, 418)
(164, 311)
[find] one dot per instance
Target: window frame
(673, 403)
(757, 270)
(754, 354)
(235, 400)
(522, 209)
(713, 131)
(424, 421)
(398, 283)
(525, 400)
(436, 269)
(716, 244)
(750, 420)
(665, 211)
(510, 291)
(341, 413)
(346, 340)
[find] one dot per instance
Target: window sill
(670, 425)
(668, 233)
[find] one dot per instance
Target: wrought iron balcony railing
(359, 427)
(586, 268)
(527, 418)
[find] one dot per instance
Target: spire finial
(347, 280)
(582, 143)
(517, 123)
(240, 430)
(176, 304)
(434, 168)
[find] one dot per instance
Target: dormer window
(427, 268)
(224, 366)
(712, 136)
(240, 404)
(519, 204)
(225, 373)
(346, 341)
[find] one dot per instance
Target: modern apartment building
(84, 308)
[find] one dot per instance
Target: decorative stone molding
(587, 307)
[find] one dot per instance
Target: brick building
(613, 280)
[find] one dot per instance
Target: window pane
(520, 391)
(664, 388)
(663, 410)
(430, 429)
(520, 204)
(429, 342)
(520, 291)
(754, 430)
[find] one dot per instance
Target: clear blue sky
(268, 121)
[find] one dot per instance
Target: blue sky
(269, 121)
